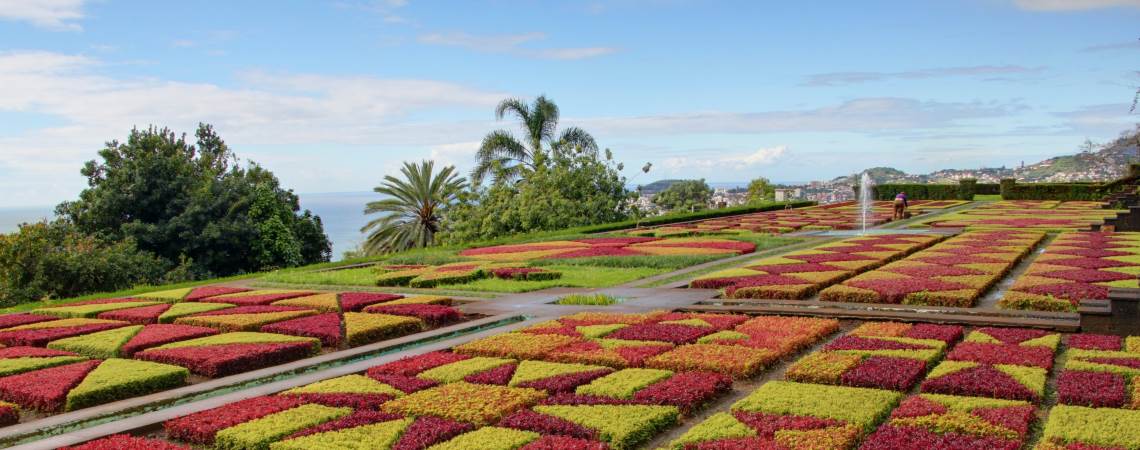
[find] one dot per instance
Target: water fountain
(865, 200)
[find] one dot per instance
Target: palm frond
(412, 208)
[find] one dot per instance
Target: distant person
(900, 206)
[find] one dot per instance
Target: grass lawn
(572, 276)
(987, 198)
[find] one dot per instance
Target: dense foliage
(686, 195)
(53, 259)
(161, 208)
(568, 188)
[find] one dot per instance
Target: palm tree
(412, 208)
(505, 157)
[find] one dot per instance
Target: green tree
(684, 195)
(570, 189)
(505, 157)
(56, 260)
(192, 202)
(413, 207)
(760, 190)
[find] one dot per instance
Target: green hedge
(916, 191)
(1054, 191)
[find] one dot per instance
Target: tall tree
(191, 201)
(760, 190)
(684, 195)
(413, 207)
(504, 157)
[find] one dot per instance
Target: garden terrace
(1076, 267)
(585, 262)
(954, 273)
(1025, 215)
(836, 216)
(70, 357)
(514, 390)
(800, 274)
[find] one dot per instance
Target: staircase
(1125, 221)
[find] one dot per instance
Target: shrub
(46, 389)
(116, 379)
(489, 438)
(201, 427)
(475, 403)
(259, 433)
(377, 435)
(187, 309)
(362, 328)
(623, 383)
(622, 426)
(126, 442)
(103, 344)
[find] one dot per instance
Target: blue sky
(333, 95)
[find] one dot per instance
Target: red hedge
(161, 334)
(221, 360)
(200, 427)
(325, 327)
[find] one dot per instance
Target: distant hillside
(658, 186)
(1109, 162)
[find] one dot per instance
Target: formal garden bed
(610, 380)
(800, 274)
(65, 358)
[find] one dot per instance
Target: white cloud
(459, 154)
(88, 107)
(732, 162)
(512, 44)
(57, 15)
(1074, 5)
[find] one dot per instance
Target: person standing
(900, 206)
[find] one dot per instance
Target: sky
(333, 95)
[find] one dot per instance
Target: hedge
(116, 379)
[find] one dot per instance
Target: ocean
(342, 214)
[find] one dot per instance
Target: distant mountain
(1109, 162)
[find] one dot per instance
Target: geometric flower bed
(1101, 371)
(610, 246)
(40, 333)
(838, 216)
(1079, 427)
(729, 344)
(1006, 363)
(185, 328)
(935, 421)
(230, 353)
(352, 328)
(257, 297)
(87, 383)
(793, 415)
(800, 274)
(1074, 267)
(1026, 215)
(16, 360)
(955, 272)
(459, 273)
(516, 390)
(125, 341)
(883, 355)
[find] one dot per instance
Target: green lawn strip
(987, 197)
(572, 276)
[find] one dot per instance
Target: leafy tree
(684, 195)
(570, 189)
(54, 260)
(504, 157)
(760, 190)
(412, 209)
(192, 202)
